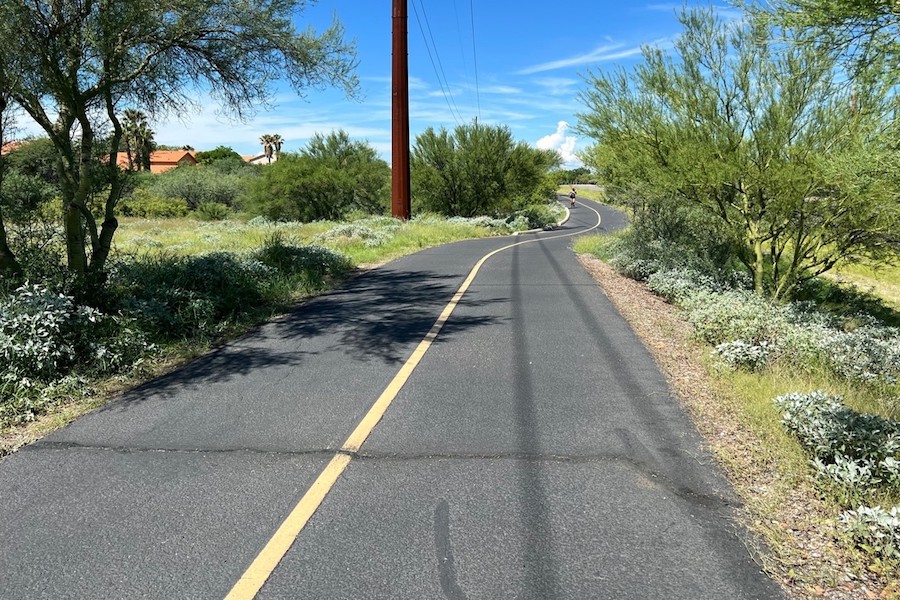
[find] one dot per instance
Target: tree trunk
(75, 240)
(759, 267)
(9, 266)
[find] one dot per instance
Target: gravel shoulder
(794, 531)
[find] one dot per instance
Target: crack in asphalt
(692, 496)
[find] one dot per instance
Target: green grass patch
(601, 246)
(882, 280)
(188, 237)
(589, 193)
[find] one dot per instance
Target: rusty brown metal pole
(400, 204)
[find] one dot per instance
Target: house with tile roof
(10, 146)
(163, 160)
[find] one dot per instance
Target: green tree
(300, 188)
(85, 58)
(9, 266)
(368, 176)
(330, 177)
(867, 32)
(219, 153)
(477, 170)
(36, 157)
(763, 138)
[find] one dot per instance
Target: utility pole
(400, 205)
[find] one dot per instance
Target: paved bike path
(534, 453)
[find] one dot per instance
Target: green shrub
(146, 204)
(175, 297)
(46, 340)
(310, 265)
(300, 188)
(857, 451)
(212, 211)
(199, 184)
(180, 297)
(539, 216)
(874, 530)
(36, 331)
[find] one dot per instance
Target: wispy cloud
(665, 7)
(557, 86)
(728, 13)
(600, 54)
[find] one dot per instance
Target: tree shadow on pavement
(378, 315)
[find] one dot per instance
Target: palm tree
(134, 119)
(267, 141)
(138, 139)
(277, 141)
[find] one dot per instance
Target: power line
(462, 45)
(439, 72)
(475, 56)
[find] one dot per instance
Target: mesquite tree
(85, 61)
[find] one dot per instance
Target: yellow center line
(273, 552)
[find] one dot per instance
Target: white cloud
(562, 143)
(558, 86)
(600, 54)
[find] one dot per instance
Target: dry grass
(780, 503)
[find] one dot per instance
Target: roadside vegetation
(760, 172)
(203, 252)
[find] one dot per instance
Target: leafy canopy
(74, 65)
(763, 138)
(867, 32)
(478, 170)
(332, 176)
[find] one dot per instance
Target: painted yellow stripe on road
(261, 568)
(265, 562)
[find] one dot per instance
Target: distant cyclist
(572, 195)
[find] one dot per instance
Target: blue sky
(530, 55)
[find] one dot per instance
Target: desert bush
(212, 211)
(312, 264)
(720, 317)
(198, 185)
(538, 216)
(874, 530)
(175, 297)
(741, 354)
(354, 232)
(676, 285)
(47, 342)
(36, 332)
(854, 455)
(144, 203)
(855, 450)
(181, 297)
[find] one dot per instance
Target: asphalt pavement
(534, 452)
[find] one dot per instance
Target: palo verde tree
(330, 177)
(478, 170)
(9, 266)
(88, 60)
(760, 136)
(866, 32)
(369, 177)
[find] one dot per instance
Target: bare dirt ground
(793, 535)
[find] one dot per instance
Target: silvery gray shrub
(874, 529)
